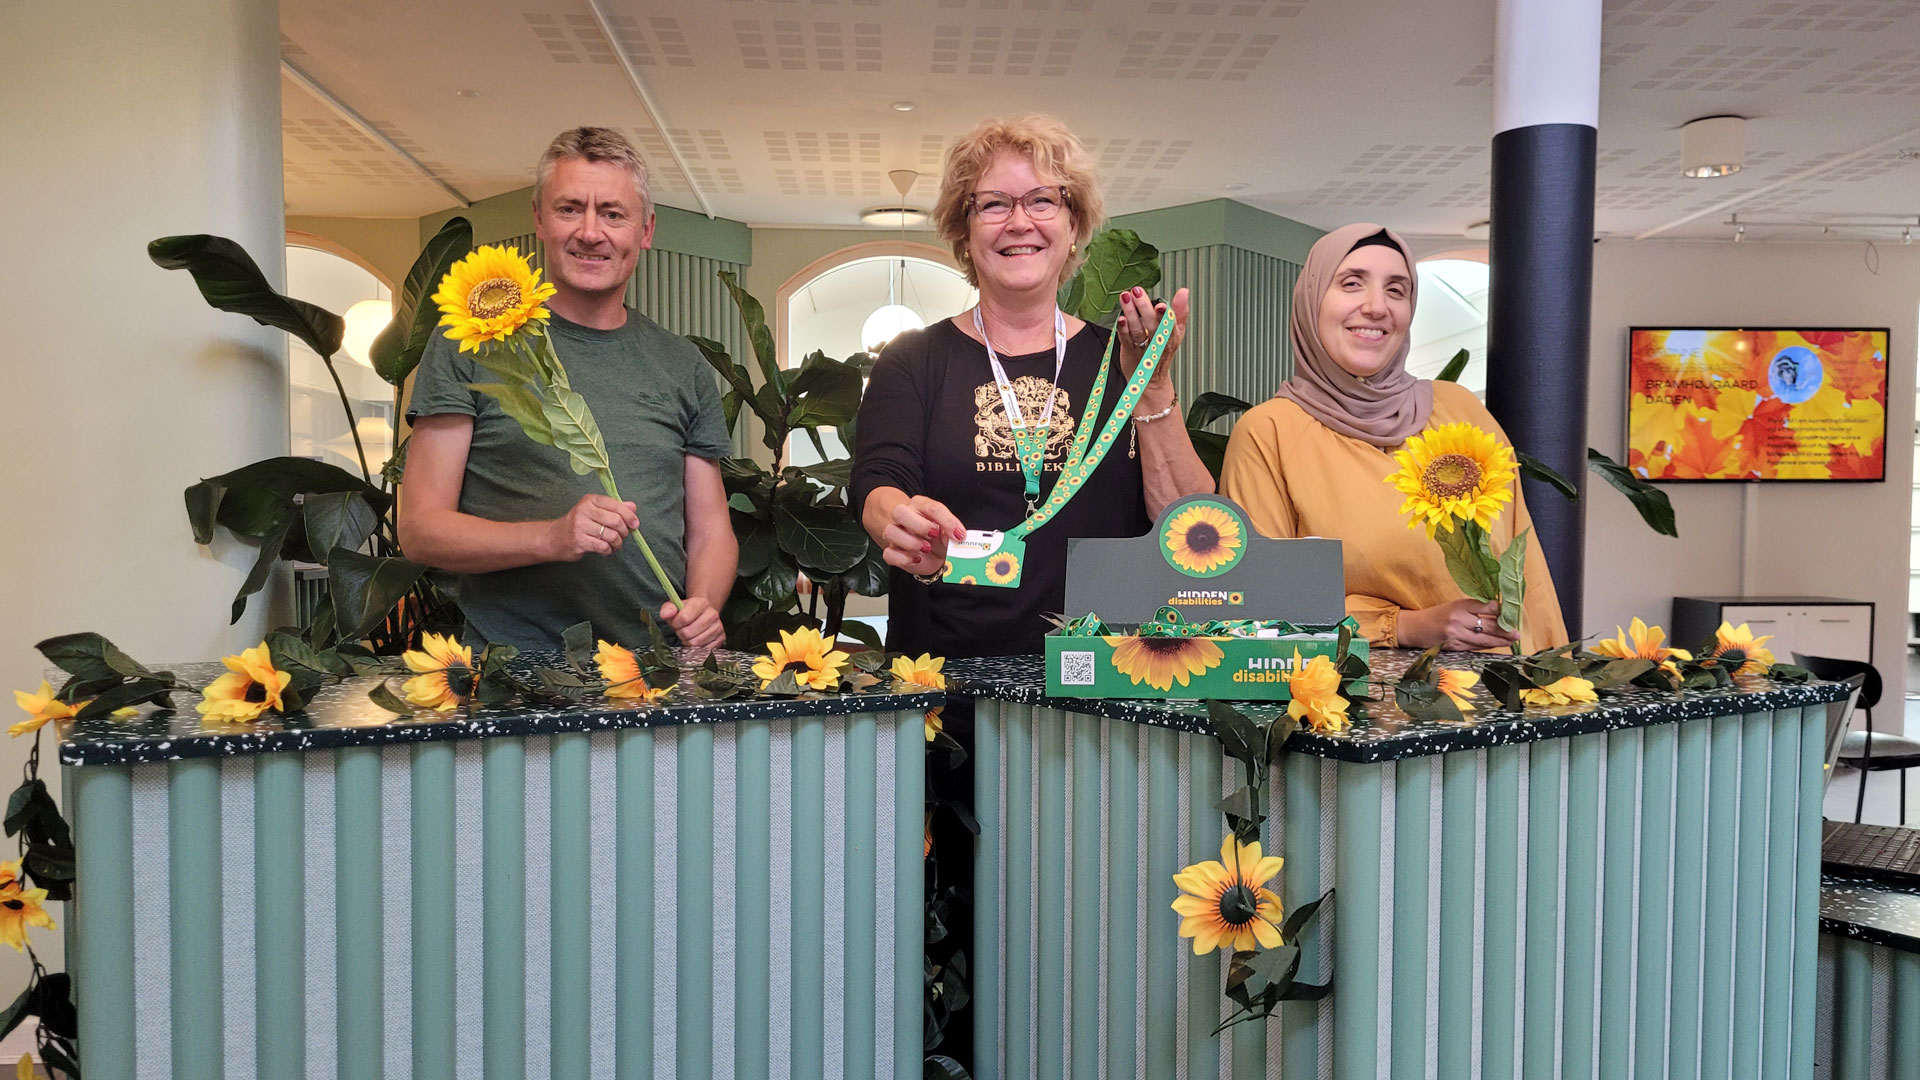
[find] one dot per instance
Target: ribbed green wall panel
(1869, 1011)
(1237, 341)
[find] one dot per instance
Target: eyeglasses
(1042, 203)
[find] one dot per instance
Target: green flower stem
(613, 489)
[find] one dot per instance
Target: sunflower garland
(41, 706)
(1315, 689)
(1757, 658)
(1226, 905)
(811, 659)
(1457, 684)
(621, 668)
(20, 907)
(1162, 661)
(1641, 642)
(444, 671)
(924, 671)
(1569, 690)
(251, 686)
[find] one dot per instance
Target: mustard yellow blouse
(1297, 477)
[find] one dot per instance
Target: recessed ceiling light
(903, 106)
(1236, 186)
(464, 92)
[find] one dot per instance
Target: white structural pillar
(1546, 115)
(125, 122)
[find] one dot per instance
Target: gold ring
(603, 532)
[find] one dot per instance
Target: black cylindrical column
(1540, 293)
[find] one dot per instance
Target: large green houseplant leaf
(398, 348)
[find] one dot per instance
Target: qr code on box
(1076, 669)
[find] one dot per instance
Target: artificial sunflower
(1454, 472)
(19, 907)
(445, 673)
(1162, 661)
(1570, 690)
(41, 707)
(250, 687)
(924, 671)
(621, 669)
(814, 661)
(1641, 642)
(23, 1069)
(1457, 683)
(1226, 904)
(1315, 687)
(1003, 567)
(1203, 539)
(1741, 639)
(489, 295)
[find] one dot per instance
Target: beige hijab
(1383, 409)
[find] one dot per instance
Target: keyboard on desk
(1887, 852)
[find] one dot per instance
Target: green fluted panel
(1689, 884)
(633, 904)
(1660, 761)
(1088, 901)
(1723, 839)
(1301, 884)
(102, 810)
(858, 999)
(1247, 1048)
(1205, 829)
(909, 904)
(503, 904)
(280, 883)
(432, 858)
(693, 901)
(1542, 975)
(1020, 724)
(1750, 893)
(1051, 963)
(1125, 897)
(1500, 951)
(989, 734)
(1853, 1032)
(1585, 755)
(752, 938)
(1618, 909)
(1237, 342)
(193, 874)
(1905, 1041)
(1806, 904)
(358, 969)
(1165, 949)
(809, 965)
(570, 910)
(1356, 955)
(1783, 835)
(1459, 895)
(1412, 827)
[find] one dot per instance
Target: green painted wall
(511, 214)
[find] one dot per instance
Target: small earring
(1073, 249)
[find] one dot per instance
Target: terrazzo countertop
(1868, 910)
(342, 715)
(1385, 733)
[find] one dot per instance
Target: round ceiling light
(364, 322)
(1713, 146)
(903, 106)
(893, 217)
(888, 322)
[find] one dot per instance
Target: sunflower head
(1203, 540)
(1570, 690)
(250, 687)
(1315, 690)
(1457, 684)
(812, 659)
(1455, 472)
(41, 706)
(1641, 642)
(20, 907)
(924, 671)
(935, 724)
(446, 677)
(1003, 567)
(1226, 905)
(1757, 658)
(621, 669)
(490, 295)
(1162, 661)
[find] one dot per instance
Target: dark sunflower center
(1238, 905)
(797, 666)
(1451, 475)
(1202, 538)
(1164, 645)
(493, 297)
(256, 693)
(12, 905)
(461, 681)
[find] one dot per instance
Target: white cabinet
(1810, 625)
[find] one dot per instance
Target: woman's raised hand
(1462, 625)
(1139, 318)
(916, 538)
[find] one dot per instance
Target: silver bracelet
(1162, 414)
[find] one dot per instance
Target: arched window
(316, 423)
(1452, 316)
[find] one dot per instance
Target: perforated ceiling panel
(1193, 55)
(1825, 16)
(1365, 193)
(1662, 14)
(999, 50)
(1742, 69)
(1236, 9)
(807, 45)
(1895, 71)
(1416, 159)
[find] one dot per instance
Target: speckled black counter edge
(1386, 733)
(1873, 911)
(341, 715)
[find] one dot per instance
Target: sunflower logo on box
(1203, 538)
(1162, 661)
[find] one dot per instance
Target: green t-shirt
(656, 402)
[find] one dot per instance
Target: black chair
(1869, 750)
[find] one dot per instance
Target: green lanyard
(1029, 440)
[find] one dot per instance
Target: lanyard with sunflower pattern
(995, 559)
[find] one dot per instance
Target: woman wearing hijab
(1313, 461)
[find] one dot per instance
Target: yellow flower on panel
(1162, 661)
(1730, 638)
(446, 677)
(1641, 642)
(41, 707)
(814, 661)
(924, 671)
(19, 907)
(1315, 686)
(1226, 905)
(1203, 538)
(1457, 683)
(250, 687)
(621, 669)
(1454, 472)
(489, 295)
(1568, 691)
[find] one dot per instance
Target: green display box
(1227, 668)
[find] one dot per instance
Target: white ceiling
(1325, 110)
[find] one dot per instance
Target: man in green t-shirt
(538, 548)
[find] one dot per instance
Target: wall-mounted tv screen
(1742, 404)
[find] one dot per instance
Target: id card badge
(989, 558)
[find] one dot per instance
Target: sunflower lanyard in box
(995, 559)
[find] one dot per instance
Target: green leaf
(1238, 807)
(385, 698)
(867, 660)
(1424, 701)
(1540, 470)
(573, 429)
(289, 652)
(740, 384)
(1473, 570)
(398, 348)
(132, 692)
(1422, 669)
(825, 393)
(1239, 736)
(338, 519)
(1617, 673)
(837, 473)
(1504, 681)
(366, 589)
(1296, 921)
(523, 406)
(510, 364)
(1271, 967)
(580, 645)
(91, 655)
(263, 561)
(1654, 506)
(1513, 581)
(862, 633)
(819, 537)
(1211, 446)
(1456, 365)
(1210, 406)
(21, 1008)
(252, 499)
(783, 685)
(395, 470)
(1279, 730)
(1116, 260)
(775, 584)
(754, 318)
(1789, 673)
(230, 280)
(872, 576)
